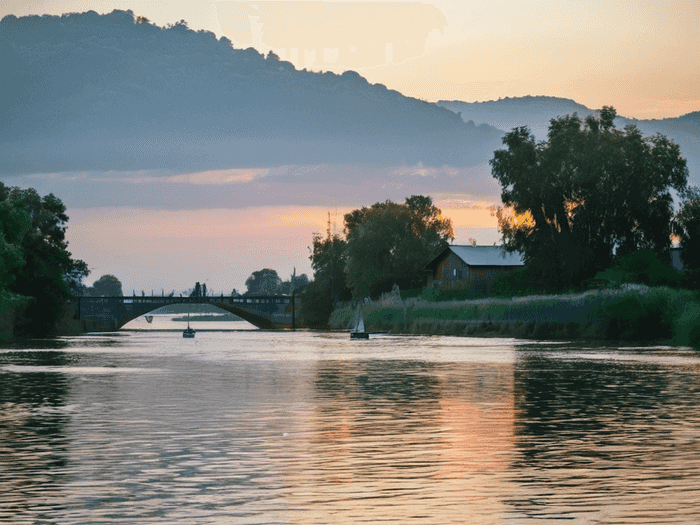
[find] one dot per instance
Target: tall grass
(631, 312)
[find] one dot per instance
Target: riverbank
(628, 313)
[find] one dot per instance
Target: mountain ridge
(84, 81)
(536, 111)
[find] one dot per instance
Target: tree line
(592, 201)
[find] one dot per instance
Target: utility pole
(328, 229)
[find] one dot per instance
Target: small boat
(358, 331)
(188, 332)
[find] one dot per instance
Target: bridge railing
(127, 299)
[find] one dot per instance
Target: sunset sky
(639, 56)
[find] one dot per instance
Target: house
(470, 266)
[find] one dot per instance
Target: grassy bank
(629, 313)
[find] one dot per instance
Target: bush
(690, 279)
(641, 267)
(516, 283)
(638, 313)
(411, 294)
(687, 327)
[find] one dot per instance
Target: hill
(536, 112)
(115, 92)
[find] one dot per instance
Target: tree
(687, 227)
(588, 194)
(106, 286)
(389, 244)
(42, 268)
(263, 282)
(329, 284)
(296, 283)
(15, 223)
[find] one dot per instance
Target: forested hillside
(102, 92)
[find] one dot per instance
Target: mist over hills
(509, 113)
(535, 112)
(114, 92)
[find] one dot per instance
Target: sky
(639, 56)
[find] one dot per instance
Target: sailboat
(358, 331)
(188, 332)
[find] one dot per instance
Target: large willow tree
(587, 194)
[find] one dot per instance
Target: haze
(167, 229)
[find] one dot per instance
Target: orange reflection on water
(479, 439)
(400, 444)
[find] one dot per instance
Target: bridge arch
(104, 314)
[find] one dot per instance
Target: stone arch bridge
(105, 314)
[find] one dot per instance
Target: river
(254, 427)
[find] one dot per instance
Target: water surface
(249, 426)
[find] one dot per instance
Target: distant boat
(358, 331)
(188, 332)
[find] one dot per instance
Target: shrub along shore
(628, 313)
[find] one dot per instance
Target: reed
(629, 313)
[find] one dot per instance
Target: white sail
(359, 321)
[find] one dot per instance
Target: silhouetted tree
(588, 194)
(329, 284)
(296, 283)
(199, 291)
(15, 223)
(35, 253)
(389, 244)
(107, 286)
(263, 282)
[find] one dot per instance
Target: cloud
(209, 178)
(288, 185)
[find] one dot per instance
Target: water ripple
(156, 430)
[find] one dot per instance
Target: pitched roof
(480, 256)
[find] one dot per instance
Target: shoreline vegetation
(629, 313)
